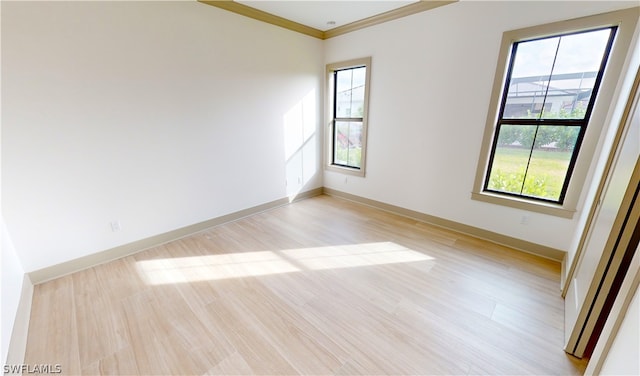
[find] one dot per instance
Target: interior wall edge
(519, 244)
(20, 330)
(622, 305)
(101, 257)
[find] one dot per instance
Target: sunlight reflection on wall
(300, 149)
(261, 263)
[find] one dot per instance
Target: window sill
(539, 207)
(345, 170)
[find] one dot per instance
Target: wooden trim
(269, 18)
(521, 245)
(563, 272)
(603, 284)
(71, 266)
(259, 15)
(20, 330)
(391, 15)
(518, 203)
(499, 78)
(632, 102)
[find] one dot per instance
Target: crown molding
(391, 15)
(260, 15)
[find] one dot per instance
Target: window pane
(574, 73)
(535, 58)
(553, 78)
(511, 157)
(581, 52)
(532, 67)
(350, 92)
(341, 143)
(357, 99)
(348, 143)
(549, 163)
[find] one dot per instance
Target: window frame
(625, 20)
(547, 122)
(331, 70)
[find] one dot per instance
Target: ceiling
(328, 18)
(319, 14)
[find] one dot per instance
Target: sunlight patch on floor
(261, 263)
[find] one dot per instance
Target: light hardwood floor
(323, 286)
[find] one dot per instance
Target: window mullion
(546, 92)
(526, 170)
(349, 119)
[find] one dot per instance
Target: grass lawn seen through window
(543, 178)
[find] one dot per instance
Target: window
(541, 134)
(349, 93)
(551, 86)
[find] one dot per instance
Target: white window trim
(329, 106)
(626, 21)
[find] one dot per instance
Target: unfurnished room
(320, 187)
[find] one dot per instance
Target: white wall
(432, 75)
(156, 114)
(165, 114)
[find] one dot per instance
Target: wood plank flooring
(320, 287)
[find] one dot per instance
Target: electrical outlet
(116, 226)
